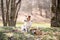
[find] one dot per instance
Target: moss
(3, 36)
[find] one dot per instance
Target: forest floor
(48, 33)
(15, 34)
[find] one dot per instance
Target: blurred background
(39, 10)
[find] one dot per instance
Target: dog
(27, 24)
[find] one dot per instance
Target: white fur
(26, 26)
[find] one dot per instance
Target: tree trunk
(14, 12)
(7, 13)
(16, 15)
(55, 21)
(3, 16)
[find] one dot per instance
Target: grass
(16, 35)
(19, 24)
(1, 24)
(36, 24)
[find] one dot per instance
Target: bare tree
(12, 7)
(3, 16)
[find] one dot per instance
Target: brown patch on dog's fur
(37, 32)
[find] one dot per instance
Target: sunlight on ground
(41, 25)
(1, 24)
(46, 25)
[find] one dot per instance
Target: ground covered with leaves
(14, 33)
